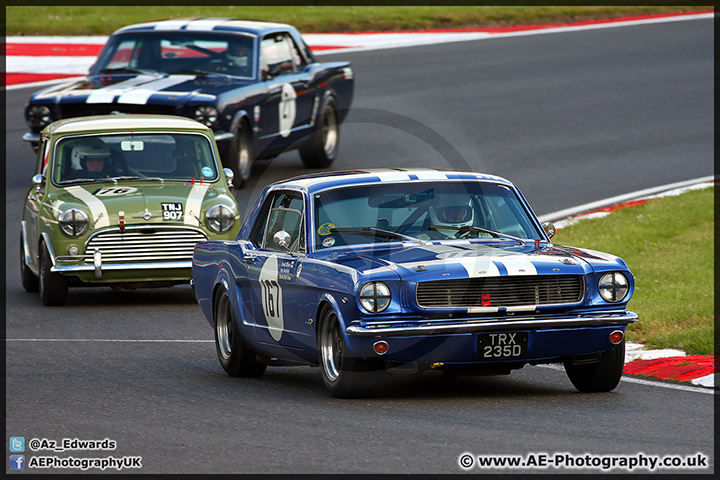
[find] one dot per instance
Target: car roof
(124, 123)
(219, 25)
(320, 181)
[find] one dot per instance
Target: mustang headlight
(375, 297)
(220, 218)
(73, 222)
(206, 114)
(613, 287)
(38, 116)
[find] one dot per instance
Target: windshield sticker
(328, 242)
(114, 191)
(325, 229)
(172, 211)
(207, 172)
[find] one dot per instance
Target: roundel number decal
(272, 298)
(114, 191)
(287, 109)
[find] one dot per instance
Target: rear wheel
(602, 376)
(240, 156)
(236, 359)
(343, 375)
(322, 149)
(53, 286)
(28, 279)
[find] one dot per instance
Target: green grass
(668, 245)
(103, 20)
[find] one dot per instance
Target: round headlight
(206, 114)
(613, 287)
(375, 297)
(73, 222)
(38, 116)
(220, 218)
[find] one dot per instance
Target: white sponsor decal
(272, 298)
(96, 206)
(194, 203)
(287, 109)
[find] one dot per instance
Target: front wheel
(240, 156)
(322, 148)
(53, 286)
(343, 375)
(236, 359)
(602, 376)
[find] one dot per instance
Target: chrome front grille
(506, 291)
(145, 244)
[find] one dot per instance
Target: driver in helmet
(451, 211)
(237, 58)
(91, 159)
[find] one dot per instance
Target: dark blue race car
(396, 270)
(256, 84)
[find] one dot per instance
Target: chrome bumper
(98, 268)
(483, 325)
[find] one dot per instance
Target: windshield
(425, 211)
(168, 156)
(178, 52)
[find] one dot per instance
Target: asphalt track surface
(571, 117)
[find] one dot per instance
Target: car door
(273, 276)
(34, 200)
(286, 113)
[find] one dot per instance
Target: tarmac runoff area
(40, 61)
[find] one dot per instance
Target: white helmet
(88, 148)
(237, 52)
(452, 211)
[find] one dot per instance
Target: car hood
(461, 260)
(175, 89)
(168, 203)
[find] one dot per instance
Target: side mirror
(38, 181)
(549, 229)
(230, 176)
(282, 239)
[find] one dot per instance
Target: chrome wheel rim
(224, 328)
(331, 347)
(331, 132)
(243, 156)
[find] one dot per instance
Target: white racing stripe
(97, 208)
(141, 95)
(194, 204)
(206, 24)
(108, 94)
(171, 24)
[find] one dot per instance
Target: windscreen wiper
(468, 228)
(377, 232)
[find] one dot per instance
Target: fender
(48, 245)
(26, 250)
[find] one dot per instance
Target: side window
(278, 56)
(286, 213)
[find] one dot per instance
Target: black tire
(239, 156)
(29, 280)
(602, 376)
(53, 287)
(344, 375)
(322, 148)
(236, 359)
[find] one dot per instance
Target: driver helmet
(452, 211)
(237, 52)
(89, 148)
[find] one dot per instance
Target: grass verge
(103, 20)
(668, 245)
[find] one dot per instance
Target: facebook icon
(17, 462)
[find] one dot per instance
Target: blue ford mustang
(393, 270)
(256, 84)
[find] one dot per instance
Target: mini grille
(145, 245)
(501, 291)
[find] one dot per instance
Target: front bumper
(445, 327)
